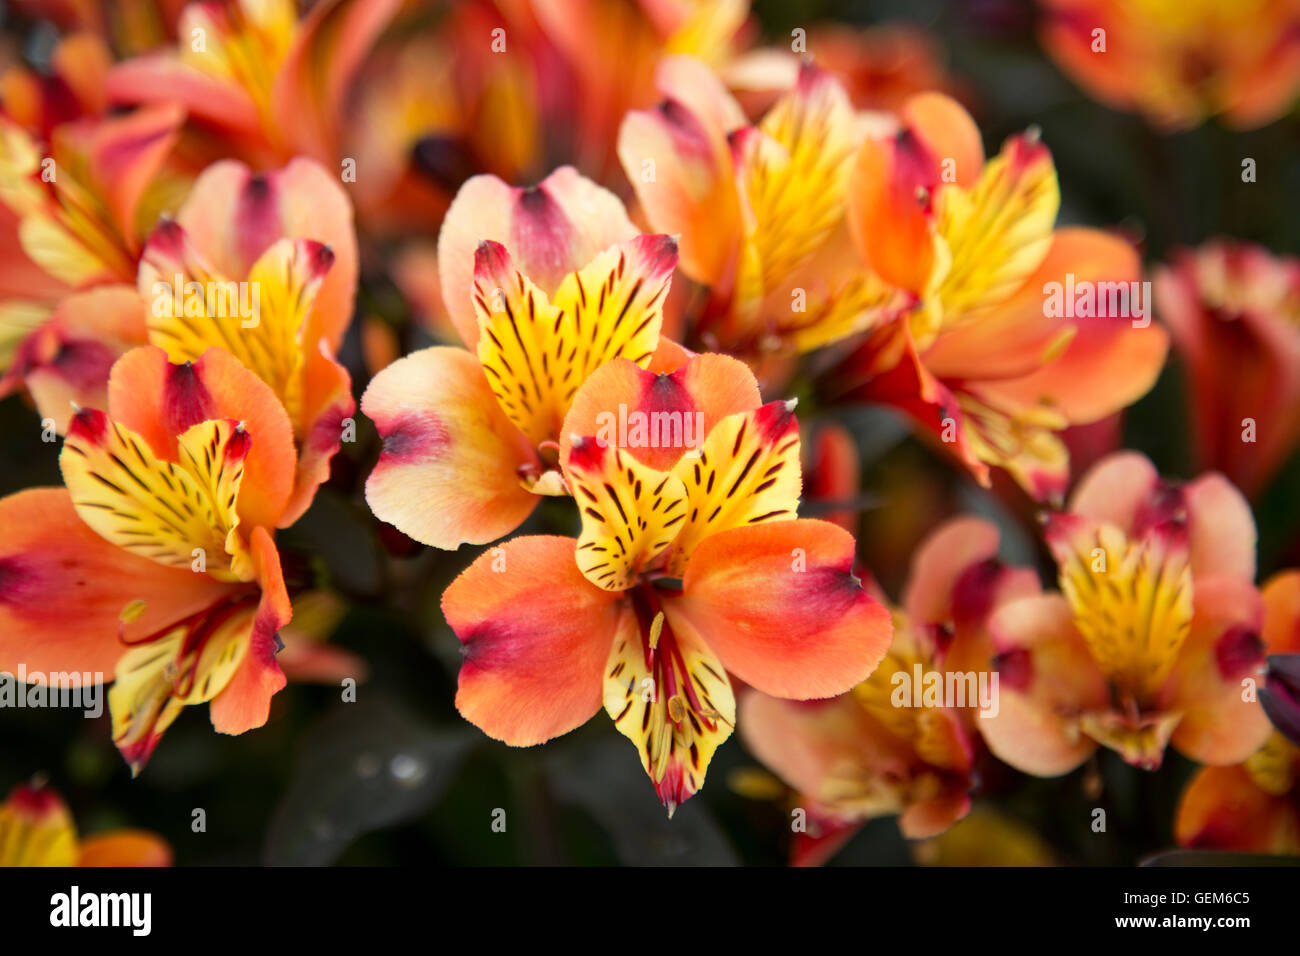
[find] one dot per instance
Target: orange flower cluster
(712, 230)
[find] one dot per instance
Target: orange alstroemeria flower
(1179, 61)
(874, 752)
(546, 284)
(1155, 638)
(36, 829)
(691, 564)
(273, 86)
(1234, 312)
(993, 358)
(156, 564)
(760, 209)
(263, 265)
(1253, 807)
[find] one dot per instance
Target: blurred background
(397, 777)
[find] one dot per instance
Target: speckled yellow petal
(176, 513)
(748, 472)
(630, 512)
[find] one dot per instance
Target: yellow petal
(181, 514)
(630, 512)
(536, 352)
(747, 472)
(672, 698)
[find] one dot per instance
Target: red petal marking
(415, 436)
(257, 218)
(1015, 669)
(1166, 504)
(90, 424)
(186, 400)
(1238, 650)
(974, 591)
(34, 801)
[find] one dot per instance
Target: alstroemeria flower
(79, 214)
(760, 209)
(548, 283)
(691, 564)
(70, 236)
(1234, 312)
(988, 360)
(156, 564)
(1153, 638)
(36, 829)
(275, 86)
(1254, 806)
(874, 752)
(263, 265)
(1179, 62)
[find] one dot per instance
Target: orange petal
(448, 473)
(64, 589)
(245, 703)
(1222, 528)
(1115, 489)
(690, 401)
(678, 161)
(780, 605)
(1020, 338)
(1222, 809)
(67, 360)
(1281, 595)
(126, 154)
(125, 848)
(327, 404)
(551, 229)
(535, 635)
